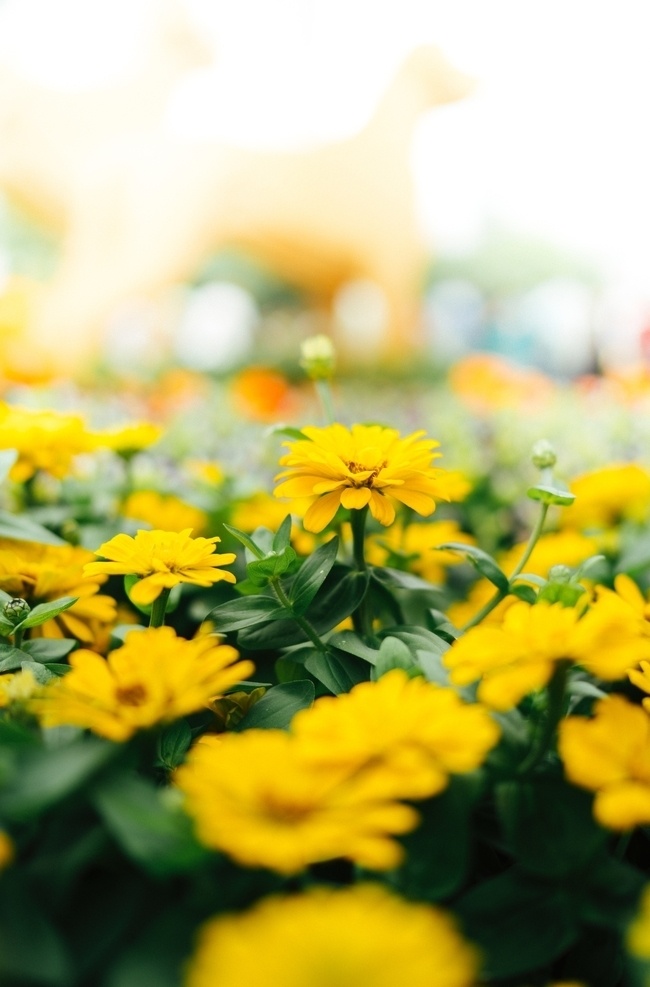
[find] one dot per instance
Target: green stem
(304, 624)
(545, 739)
(158, 609)
(325, 397)
(361, 618)
(501, 594)
(18, 637)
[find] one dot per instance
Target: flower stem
(361, 618)
(501, 594)
(324, 392)
(545, 740)
(18, 637)
(158, 609)
(304, 624)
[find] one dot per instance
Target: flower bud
(560, 574)
(16, 610)
(318, 357)
(543, 454)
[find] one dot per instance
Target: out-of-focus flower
(418, 544)
(607, 496)
(42, 573)
(318, 357)
(205, 471)
(262, 394)
(638, 933)
(365, 465)
(363, 936)
(567, 547)
(255, 796)
(261, 510)
(462, 611)
(17, 687)
(164, 511)
(45, 440)
(401, 736)
(487, 383)
(162, 560)
(609, 754)
(154, 678)
(128, 439)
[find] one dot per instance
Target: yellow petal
(354, 498)
(321, 512)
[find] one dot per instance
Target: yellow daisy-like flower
(520, 655)
(607, 496)
(610, 755)
(128, 439)
(363, 936)
(365, 465)
(462, 611)
(164, 511)
(255, 796)
(41, 573)
(420, 543)
(401, 736)
(17, 687)
(154, 678)
(162, 560)
(45, 440)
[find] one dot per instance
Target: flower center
(360, 468)
(284, 811)
(131, 695)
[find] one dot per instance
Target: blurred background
(206, 184)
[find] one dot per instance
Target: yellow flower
(520, 655)
(45, 440)
(128, 439)
(638, 933)
(556, 547)
(256, 797)
(155, 677)
(462, 611)
(17, 687)
(162, 560)
(419, 542)
(41, 573)
(261, 510)
(164, 511)
(610, 755)
(607, 496)
(367, 465)
(205, 471)
(401, 736)
(7, 851)
(363, 936)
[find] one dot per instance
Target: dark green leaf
(46, 649)
(523, 592)
(399, 579)
(289, 431)
(282, 537)
(236, 614)
(610, 893)
(22, 529)
(245, 540)
(312, 575)
(353, 644)
(173, 744)
(11, 658)
(338, 671)
(393, 653)
(41, 673)
(31, 951)
(46, 611)
(481, 561)
(276, 709)
(551, 495)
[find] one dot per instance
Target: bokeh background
(200, 182)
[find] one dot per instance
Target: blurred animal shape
(151, 206)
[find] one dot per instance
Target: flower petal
(321, 512)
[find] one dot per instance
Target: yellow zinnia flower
(363, 936)
(365, 465)
(41, 573)
(164, 511)
(154, 678)
(607, 496)
(162, 560)
(255, 796)
(610, 755)
(419, 542)
(401, 736)
(128, 439)
(45, 440)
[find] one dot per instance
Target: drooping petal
(354, 498)
(321, 512)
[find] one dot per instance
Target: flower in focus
(609, 754)
(128, 439)
(401, 736)
(162, 560)
(363, 936)
(155, 677)
(607, 496)
(17, 687)
(287, 816)
(520, 655)
(417, 544)
(45, 440)
(164, 511)
(42, 573)
(365, 465)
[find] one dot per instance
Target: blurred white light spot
(361, 316)
(216, 329)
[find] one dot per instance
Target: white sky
(555, 141)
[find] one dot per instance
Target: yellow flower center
(284, 811)
(131, 695)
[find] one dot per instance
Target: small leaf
(276, 709)
(312, 575)
(245, 540)
(272, 566)
(353, 644)
(289, 431)
(485, 564)
(523, 592)
(10, 658)
(393, 653)
(47, 649)
(282, 537)
(22, 529)
(41, 673)
(398, 579)
(338, 672)
(46, 611)
(551, 495)
(173, 744)
(236, 614)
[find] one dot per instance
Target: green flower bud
(16, 610)
(318, 357)
(560, 574)
(543, 454)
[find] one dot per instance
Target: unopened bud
(318, 357)
(16, 610)
(560, 574)
(543, 455)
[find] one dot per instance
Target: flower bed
(385, 723)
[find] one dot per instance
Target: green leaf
(312, 575)
(399, 579)
(236, 614)
(276, 709)
(426, 649)
(353, 644)
(551, 495)
(289, 431)
(523, 592)
(339, 672)
(282, 537)
(518, 924)
(481, 561)
(150, 829)
(272, 566)
(31, 950)
(394, 653)
(245, 540)
(41, 673)
(610, 893)
(10, 658)
(46, 649)
(46, 611)
(22, 529)
(173, 744)
(7, 459)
